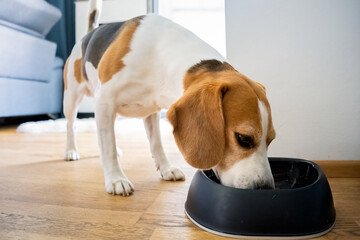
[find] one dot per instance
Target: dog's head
(223, 121)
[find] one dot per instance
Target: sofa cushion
(24, 56)
(20, 28)
(36, 15)
(19, 97)
(58, 63)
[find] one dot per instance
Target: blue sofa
(30, 73)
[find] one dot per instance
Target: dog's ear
(199, 127)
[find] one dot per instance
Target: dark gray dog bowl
(301, 205)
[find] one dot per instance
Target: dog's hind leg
(72, 99)
(73, 94)
(168, 172)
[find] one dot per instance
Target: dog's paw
(121, 187)
(172, 174)
(71, 155)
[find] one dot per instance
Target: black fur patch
(95, 43)
(211, 65)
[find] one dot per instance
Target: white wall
(205, 18)
(307, 54)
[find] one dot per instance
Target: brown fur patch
(92, 16)
(211, 65)
(78, 70)
(206, 69)
(111, 62)
(65, 73)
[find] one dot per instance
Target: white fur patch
(93, 79)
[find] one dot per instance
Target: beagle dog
(221, 119)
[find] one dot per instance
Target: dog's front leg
(167, 171)
(115, 180)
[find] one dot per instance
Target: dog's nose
(264, 185)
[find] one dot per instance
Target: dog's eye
(244, 140)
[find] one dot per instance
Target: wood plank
(67, 228)
(181, 233)
(164, 220)
(168, 203)
(76, 214)
(77, 194)
(25, 235)
(340, 168)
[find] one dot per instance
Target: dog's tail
(94, 14)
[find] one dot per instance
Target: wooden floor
(44, 197)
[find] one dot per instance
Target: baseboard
(85, 115)
(340, 168)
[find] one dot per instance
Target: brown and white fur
(221, 118)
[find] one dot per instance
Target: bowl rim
(280, 159)
(229, 235)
